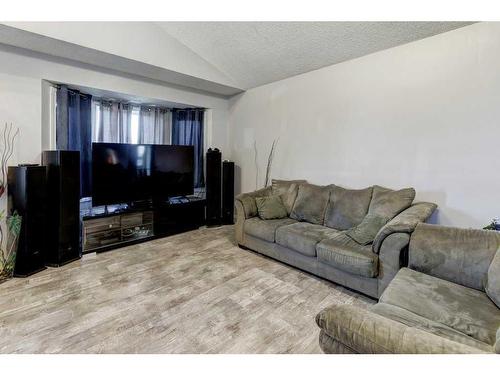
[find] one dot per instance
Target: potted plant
(494, 225)
(12, 223)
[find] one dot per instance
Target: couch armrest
(366, 332)
(392, 257)
(405, 222)
(247, 201)
(245, 209)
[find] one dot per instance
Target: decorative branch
(270, 161)
(256, 165)
(7, 149)
(7, 257)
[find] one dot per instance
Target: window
(134, 126)
(129, 123)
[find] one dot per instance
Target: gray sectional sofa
(356, 238)
(446, 301)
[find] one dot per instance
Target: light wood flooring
(196, 292)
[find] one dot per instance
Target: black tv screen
(173, 171)
(123, 173)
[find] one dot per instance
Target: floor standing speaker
(227, 192)
(27, 196)
(213, 187)
(63, 206)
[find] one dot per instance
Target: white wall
(425, 114)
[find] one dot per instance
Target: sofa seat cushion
(265, 229)
(463, 309)
(303, 237)
(416, 321)
(342, 252)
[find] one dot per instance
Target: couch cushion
(347, 208)
(265, 229)
(366, 231)
(270, 207)
(310, 204)
(303, 237)
(341, 252)
(413, 320)
(288, 190)
(493, 281)
(463, 309)
(459, 255)
(388, 203)
(384, 206)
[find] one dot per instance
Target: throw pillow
(347, 207)
(270, 207)
(310, 204)
(384, 206)
(366, 231)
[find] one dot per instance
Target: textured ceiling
(256, 53)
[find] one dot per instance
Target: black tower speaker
(63, 206)
(228, 192)
(27, 195)
(213, 187)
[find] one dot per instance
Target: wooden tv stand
(107, 231)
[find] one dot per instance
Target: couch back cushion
(310, 204)
(384, 206)
(346, 207)
(493, 280)
(459, 255)
(388, 203)
(288, 190)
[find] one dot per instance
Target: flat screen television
(124, 173)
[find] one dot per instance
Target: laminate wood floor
(196, 292)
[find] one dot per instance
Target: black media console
(104, 230)
(179, 216)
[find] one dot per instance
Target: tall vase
(8, 252)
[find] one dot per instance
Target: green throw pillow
(271, 207)
(365, 232)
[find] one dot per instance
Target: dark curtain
(187, 130)
(74, 131)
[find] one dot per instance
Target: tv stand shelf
(102, 232)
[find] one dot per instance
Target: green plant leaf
(14, 223)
